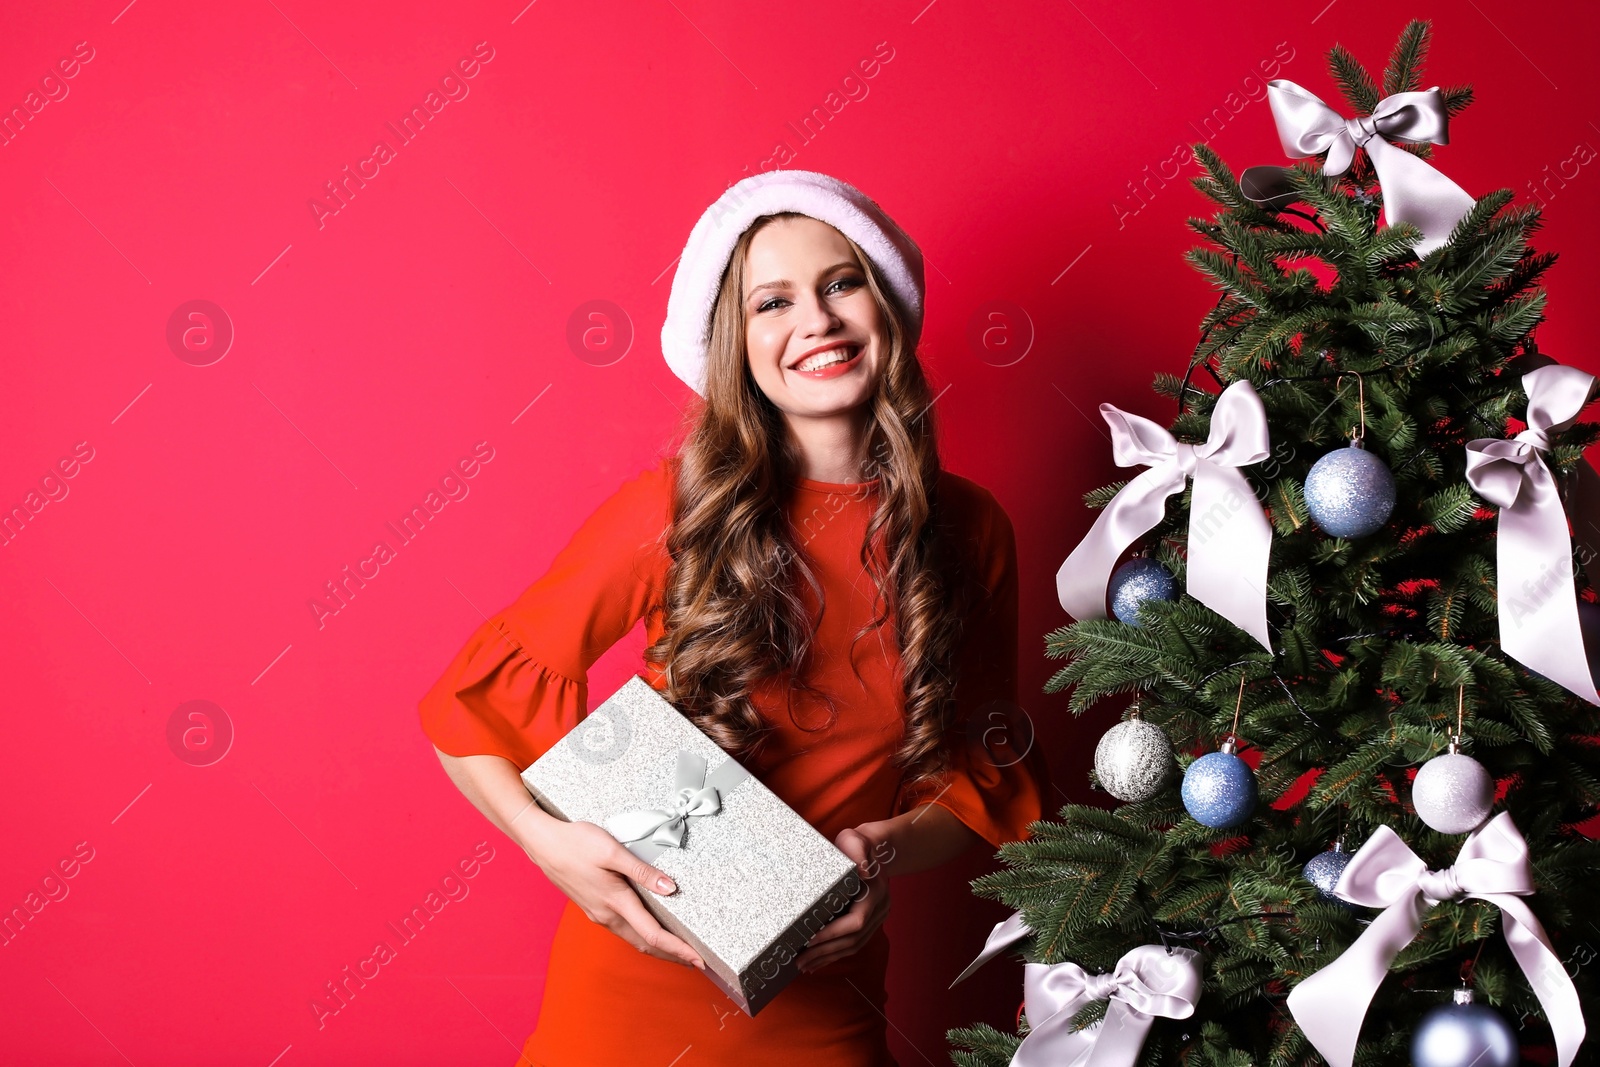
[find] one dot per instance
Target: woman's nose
(818, 316)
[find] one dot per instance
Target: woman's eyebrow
(784, 283)
(781, 283)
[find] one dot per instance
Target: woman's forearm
(585, 863)
(495, 788)
(924, 837)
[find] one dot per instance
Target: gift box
(755, 880)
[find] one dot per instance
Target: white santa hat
(686, 333)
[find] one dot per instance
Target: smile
(831, 363)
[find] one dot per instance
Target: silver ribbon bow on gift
(1413, 191)
(1147, 982)
(694, 796)
(1493, 866)
(1533, 550)
(1229, 537)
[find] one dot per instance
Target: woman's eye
(851, 283)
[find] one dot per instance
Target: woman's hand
(852, 930)
(587, 864)
(591, 867)
(913, 841)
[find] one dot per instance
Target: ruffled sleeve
(998, 777)
(520, 683)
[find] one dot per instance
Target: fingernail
(665, 884)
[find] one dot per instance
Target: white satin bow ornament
(1147, 982)
(1413, 191)
(1538, 600)
(1493, 866)
(1229, 536)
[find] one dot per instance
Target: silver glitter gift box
(755, 880)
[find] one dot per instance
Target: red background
(374, 351)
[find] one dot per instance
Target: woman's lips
(833, 370)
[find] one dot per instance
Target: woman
(819, 597)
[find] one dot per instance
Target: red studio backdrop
(242, 343)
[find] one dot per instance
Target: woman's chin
(823, 399)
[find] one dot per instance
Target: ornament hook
(1233, 734)
(1455, 738)
(1361, 404)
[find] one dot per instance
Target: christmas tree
(1384, 645)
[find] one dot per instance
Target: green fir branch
(1403, 74)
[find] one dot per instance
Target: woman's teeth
(826, 359)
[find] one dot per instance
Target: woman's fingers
(816, 958)
(821, 960)
(641, 872)
(593, 868)
(846, 934)
(619, 859)
(813, 959)
(656, 939)
(850, 931)
(855, 845)
(848, 923)
(618, 915)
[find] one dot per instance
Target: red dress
(607, 1003)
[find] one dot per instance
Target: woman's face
(807, 304)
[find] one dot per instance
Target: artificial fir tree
(1376, 641)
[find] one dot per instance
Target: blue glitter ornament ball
(1219, 789)
(1323, 871)
(1464, 1034)
(1136, 582)
(1350, 492)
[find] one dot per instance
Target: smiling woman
(843, 663)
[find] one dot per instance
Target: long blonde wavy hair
(733, 617)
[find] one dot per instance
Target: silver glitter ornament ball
(1133, 760)
(1350, 492)
(1323, 871)
(1136, 582)
(1464, 1034)
(1453, 793)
